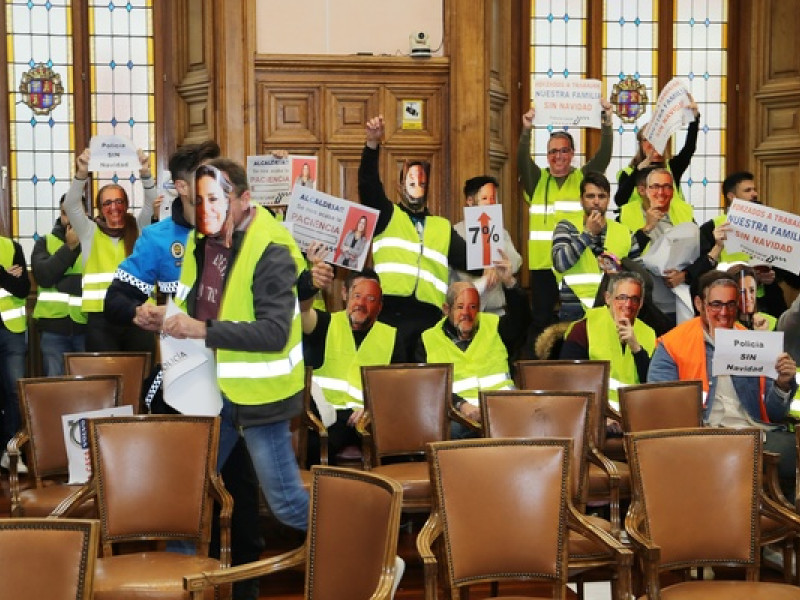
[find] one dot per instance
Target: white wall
(380, 27)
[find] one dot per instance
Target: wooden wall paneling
(341, 172)
(288, 114)
(774, 140)
(779, 178)
(347, 109)
(193, 68)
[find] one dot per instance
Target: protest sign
(189, 372)
(746, 353)
(770, 236)
(76, 439)
(483, 227)
(672, 110)
(112, 153)
(675, 249)
(345, 228)
(271, 178)
(567, 102)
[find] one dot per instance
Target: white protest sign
(483, 227)
(675, 249)
(189, 372)
(112, 153)
(768, 235)
(76, 439)
(270, 179)
(746, 353)
(345, 228)
(670, 113)
(567, 102)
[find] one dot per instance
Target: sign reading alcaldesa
(767, 234)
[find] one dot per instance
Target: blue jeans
(275, 464)
(12, 367)
(54, 345)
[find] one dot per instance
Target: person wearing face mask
(337, 345)
(412, 249)
(105, 242)
(735, 401)
(474, 343)
(614, 333)
(552, 193)
(482, 191)
(157, 255)
(578, 243)
(647, 157)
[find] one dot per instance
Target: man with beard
(105, 242)
(412, 249)
(614, 333)
(578, 242)
(734, 401)
(337, 345)
(474, 343)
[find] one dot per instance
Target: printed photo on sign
(112, 153)
(304, 171)
(567, 102)
(483, 226)
(345, 228)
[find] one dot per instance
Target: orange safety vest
(685, 343)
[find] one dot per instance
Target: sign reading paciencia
(746, 353)
(271, 178)
(767, 234)
(483, 226)
(344, 227)
(672, 110)
(567, 102)
(112, 153)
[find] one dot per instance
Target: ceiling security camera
(420, 46)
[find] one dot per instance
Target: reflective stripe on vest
(482, 366)
(604, 344)
(253, 378)
(584, 277)
(547, 207)
(408, 267)
(52, 304)
(12, 309)
(98, 273)
(340, 375)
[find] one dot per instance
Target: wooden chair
(351, 543)
(154, 479)
(679, 404)
(538, 414)
(688, 511)
(407, 408)
(609, 480)
(503, 508)
(133, 366)
(48, 558)
(43, 401)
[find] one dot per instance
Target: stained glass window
(122, 99)
(629, 47)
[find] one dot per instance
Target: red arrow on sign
(484, 220)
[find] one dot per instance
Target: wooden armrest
(196, 583)
(363, 429)
(459, 417)
(771, 483)
(13, 448)
(75, 499)
(429, 533)
(608, 466)
(225, 501)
